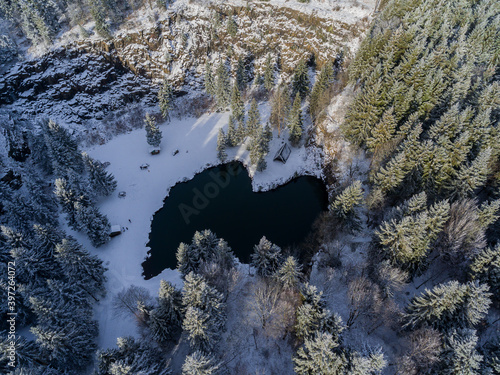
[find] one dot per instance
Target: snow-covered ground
(196, 140)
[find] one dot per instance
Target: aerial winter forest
(250, 187)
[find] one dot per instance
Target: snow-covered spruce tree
(80, 268)
(166, 99)
(268, 135)
(232, 133)
(319, 96)
(295, 124)
(63, 149)
(320, 355)
(241, 75)
(64, 331)
(92, 222)
(383, 132)
(406, 241)
(258, 150)
(153, 132)
(205, 313)
(39, 19)
(199, 363)
(266, 257)
(313, 316)
(345, 204)
(370, 364)
(269, 73)
(237, 107)
(449, 304)
(485, 267)
(187, 259)
(232, 26)
(472, 176)
(290, 273)
(98, 12)
(461, 356)
(131, 357)
(221, 146)
(205, 247)
(489, 212)
(103, 183)
(280, 108)
(69, 193)
(210, 86)
(253, 119)
(223, 85)
(165, 319)
(300, 80)
(241, 132)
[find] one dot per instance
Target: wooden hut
(283, 153)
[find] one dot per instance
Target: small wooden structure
(283, 153)
(115, 231)
(144, 166)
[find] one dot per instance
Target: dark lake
(221, 199)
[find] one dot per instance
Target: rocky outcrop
(72, 86)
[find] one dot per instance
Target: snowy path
(196, 141)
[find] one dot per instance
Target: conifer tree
(153, 132)
(241, 75)
(300, 80)
(320, 88)
(449, 304)
(258, 150)
(95, 224)
(290, 273)
(472, 176)
(221, 146)
(205, 312)
(102, 182)
(253, 119)
(232, 138)
(237, 107)
(280, 108)
(295, 123)
(199, 363)
(187, 259)
(313, 316)
(166, 99)
(461, 356)
(165, 320)
(269, 74)
(407, 240)
(97, 10)
(320, 355)
(63, 149)
(232, 27)
(383, 131)
(485, 267)
(266, 257)
(131, 357)
(81, 268)
(223, 85)
(241, 132)
(210, 86)
(489, 212)
(344, 206)
(370, 364)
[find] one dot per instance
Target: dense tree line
(426, 109)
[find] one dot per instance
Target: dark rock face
(72, 86)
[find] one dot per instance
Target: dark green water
(221, 199)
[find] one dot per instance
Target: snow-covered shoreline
(195, 138)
